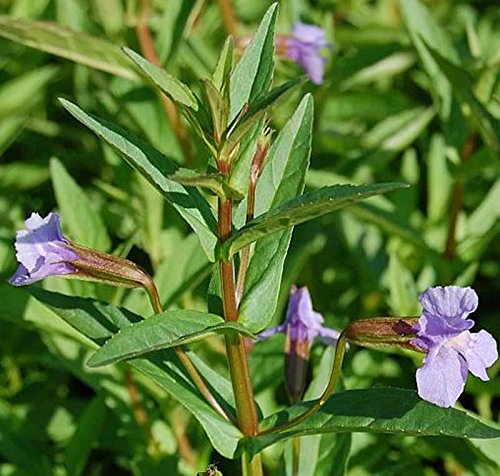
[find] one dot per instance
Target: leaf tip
(96, 361)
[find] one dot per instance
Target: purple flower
(302, 323)
(304, 47)
(41, 250)
(443, 332)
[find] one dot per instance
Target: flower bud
(383, 332)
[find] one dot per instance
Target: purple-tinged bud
(259, 157)
(383, 332)
(43, 251)
(296, 365)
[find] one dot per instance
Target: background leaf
(79, 47)
(83, 222)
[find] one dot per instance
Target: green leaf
(378, 410)
(19, 443)
(214, 182)
(10, 129)
(84, 224)
(282, 179)
(397, 132)
(222, 72)
(462, 86)
(303, 208)
(148, 216)
(327, 454)
(252, 75)
(162, 331)
(171, 86)
(219, 109)
(402, 287)
(191, 267)
(482, 226)
(439, 180)
(255, 113)
(75, 46)
(94, 319)
(110, 15)
(156, 168)
(22, 92)
(104, 320)
(387, 67)
(422, 26)
(83, 440)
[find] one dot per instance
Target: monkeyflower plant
(245, 231)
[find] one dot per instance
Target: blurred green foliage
(411, 93)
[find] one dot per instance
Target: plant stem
(148, 50)
(186, 362)
(229, 18)
(332, 383)
(235, 348)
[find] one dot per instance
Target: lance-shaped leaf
(306, 207)
(100, 321)
(157, 168)
(221, 74)
(462, 86)
(252, 75)
(282, 179)
(171, 86)
(162, 331)
(376, 410)
(75, 46)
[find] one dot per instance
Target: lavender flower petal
(443, 331)
(309, 34)
(269, 332)
(329, 336)
(480, 352)
(450, 302)
(41, 250)
(304, 47)
(302, 323)
(441, 379)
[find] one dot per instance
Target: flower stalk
(330, 388)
